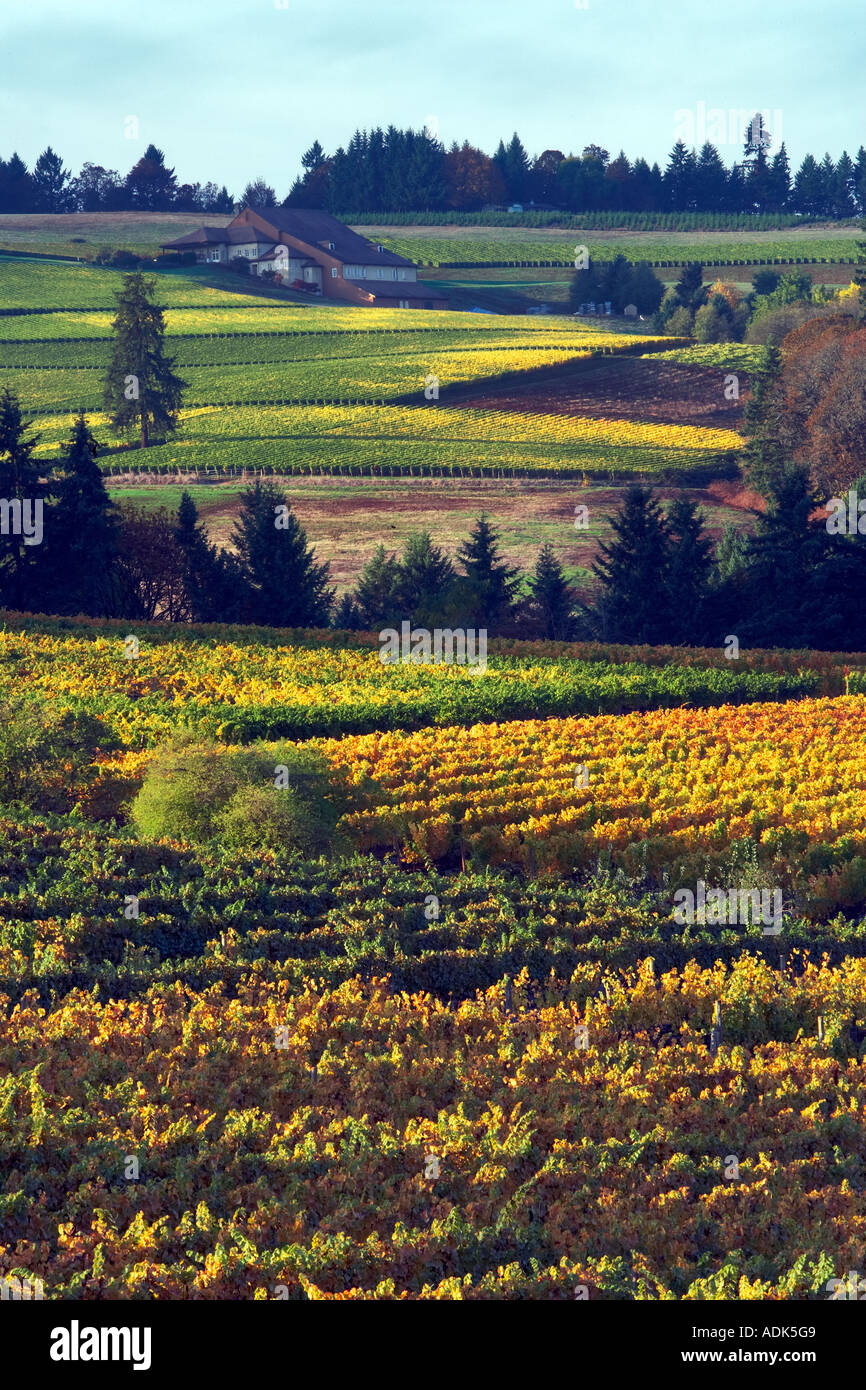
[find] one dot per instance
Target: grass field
(84, 233)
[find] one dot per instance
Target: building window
(334, 272)
(381, 250)
(332, 246)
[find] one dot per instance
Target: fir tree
(688, 573)
(493, 582)
(377, 589)
(212, 583)
(552, 597)
(690, 289)
(347, 617)
(632, 571)
(22, 494)
(425, 574)
(285, 586)
(784, 599)
(84, 532)
(141, 389)
(765, 456)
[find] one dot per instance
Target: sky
(233, 90)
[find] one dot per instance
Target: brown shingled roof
(318, 228)
(217, 236)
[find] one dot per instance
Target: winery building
(312, 251)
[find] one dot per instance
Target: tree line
(659, 579)
(411, 170)
(407, 170)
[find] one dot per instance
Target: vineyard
(477, 1058)
(463, 1047)
(310, 390)
(515, 246)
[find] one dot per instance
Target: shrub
(47, 755)
(680, 323)
(248, 798)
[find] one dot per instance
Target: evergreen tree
(84, 533)
(765, 456)
(860, 180)
(552, 597)
(689, 568)
(212, 583)
(759, 182)
(808, 187)
(676, 177)
(285, 587)
(843, 186)
(493, 583)
(426, 574)
(632, 571)
(313, 158)
(50, 181)
(645, 289)
(736, 194)
(827, 175)
(779, 181)
(784, 599)
(150, 185)
(17, 190)
(376, 594)
(711, 178)
(690, 289)
(141, 389)
(347, 617)
(22, 497)
(514, 164)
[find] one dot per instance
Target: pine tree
(285, 586)
(688, 573)
(347, 617)
(552, 597)
(780, 180)
(212, 584)
(808, 187)
(141, 389)
(690, 289)
(632, 571)
(425, 574)
(376, 592)
(84, 532)
(844, 181)
(516, 168)
(676, 177)
(22, 498)
(711, 177)
(50, 181)
(765, 456)
(493, 582)
(784, 600)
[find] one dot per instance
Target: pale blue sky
(234, 89)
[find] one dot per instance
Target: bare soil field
(626, 388)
